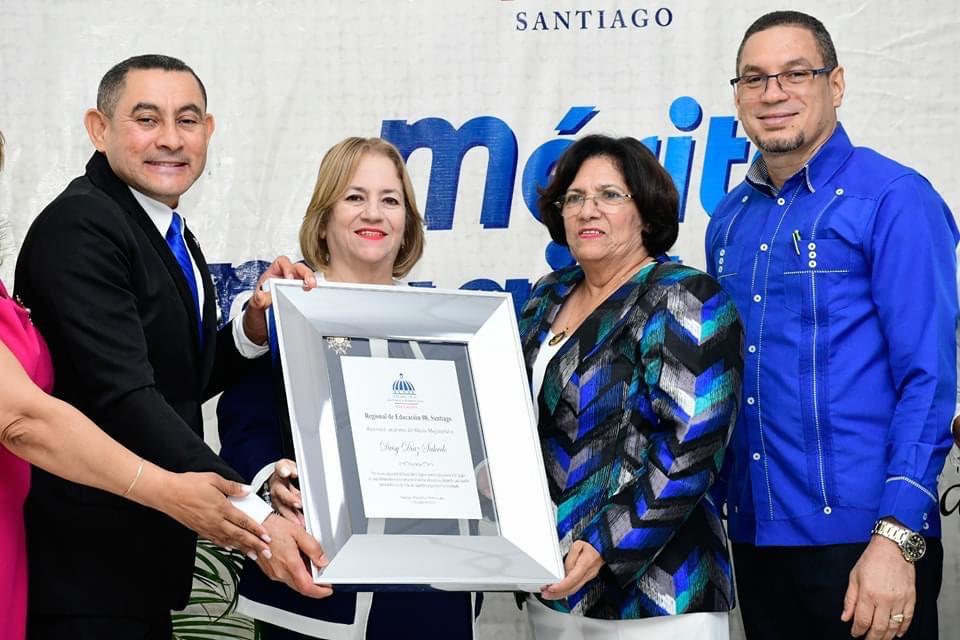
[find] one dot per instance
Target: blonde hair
(336, 169)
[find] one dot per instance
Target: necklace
(559, 337)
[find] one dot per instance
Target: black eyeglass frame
(766, 76)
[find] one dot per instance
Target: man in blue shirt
(842, 265)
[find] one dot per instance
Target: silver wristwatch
(912, 545)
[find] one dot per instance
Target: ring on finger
(896, 619)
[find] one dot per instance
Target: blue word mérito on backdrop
(448, 146)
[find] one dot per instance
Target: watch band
(912, 545)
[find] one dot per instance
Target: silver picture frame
(514, 546)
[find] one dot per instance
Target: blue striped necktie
(177, 245)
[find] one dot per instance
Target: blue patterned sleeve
(684, 405)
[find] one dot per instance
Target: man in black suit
(120, 289)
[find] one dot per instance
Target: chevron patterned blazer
(636, 410)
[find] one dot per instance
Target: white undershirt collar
(158, 212)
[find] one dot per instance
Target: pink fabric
(19, 335)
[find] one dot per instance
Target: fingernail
(252, 555)
(266, 554)
(229, 548)
(245, 489)
(266, 538)
(284, 472)
(298, 505)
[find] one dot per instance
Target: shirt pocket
(816, 282)
(733, 270)
(727, 262)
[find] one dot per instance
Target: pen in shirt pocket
(796, 240)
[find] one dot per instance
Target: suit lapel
(593, 335)
(100, 173)
(209, 302)
(542, 310)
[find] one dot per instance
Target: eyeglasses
(757, 82)
(607, 200)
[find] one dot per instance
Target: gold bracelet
(135, 478)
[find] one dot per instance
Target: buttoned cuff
(253, 506)
(247, 347)
(909, 502)
(262, 476)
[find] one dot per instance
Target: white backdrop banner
(481, 97)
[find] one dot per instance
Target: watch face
(914, 547)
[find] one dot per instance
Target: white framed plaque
(410, 442)
(416, 444)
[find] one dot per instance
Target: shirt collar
(819, 168)
(160, 214)
(758, 176)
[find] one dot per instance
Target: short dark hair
(650, 185)
(111, 86)
(794, 19)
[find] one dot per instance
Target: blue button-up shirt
(845, 281)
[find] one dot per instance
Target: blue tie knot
(175, 228)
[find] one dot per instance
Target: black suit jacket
(109, 297)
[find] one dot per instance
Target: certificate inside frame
(513, 545)
(409, 437)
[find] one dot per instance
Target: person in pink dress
(36, 428)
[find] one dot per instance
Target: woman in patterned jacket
(635, 366)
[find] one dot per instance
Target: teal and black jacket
(636, 409)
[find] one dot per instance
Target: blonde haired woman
(346, 174)
(362, 226)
